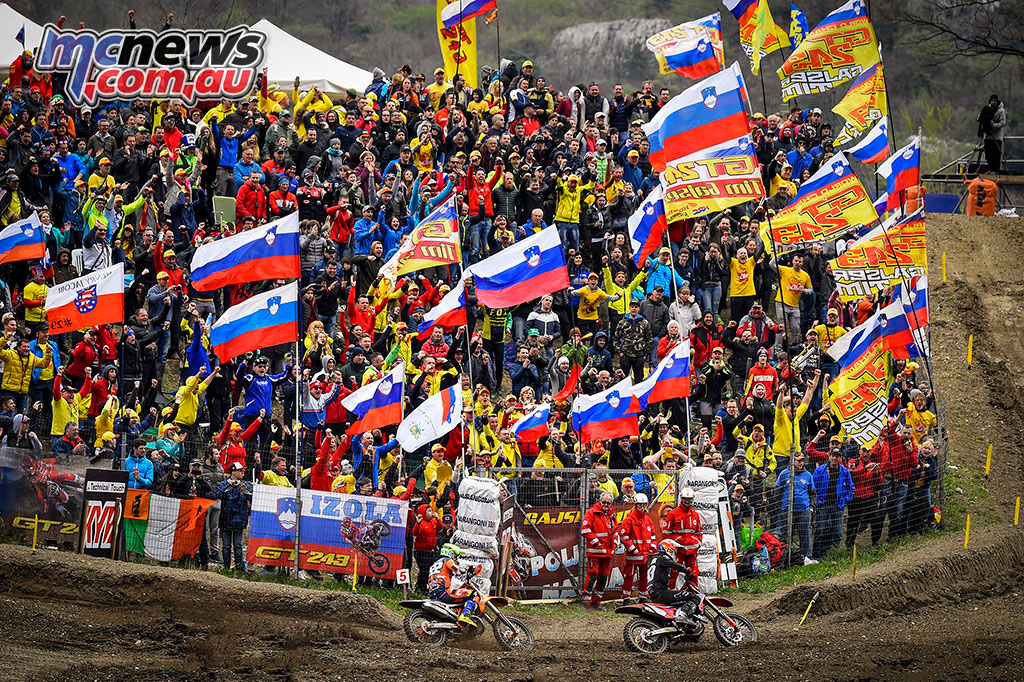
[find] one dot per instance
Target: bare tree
(967, 28)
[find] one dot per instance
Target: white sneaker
(808, 561)
(305, 576)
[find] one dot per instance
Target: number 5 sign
(402, 576)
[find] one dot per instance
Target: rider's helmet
(188, 140)
(667, 546)
(346, 523)
(450, 551)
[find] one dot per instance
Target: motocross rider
(662, 572)
(439, 585)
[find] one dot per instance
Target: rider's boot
(684, 616)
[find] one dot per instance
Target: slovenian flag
(95, 299)
(874, 148)
(533, 426)
(459, 11)
(448, 313)
(900, 326)
(671, 378)
(647, 225)
(708, 113)
(377, 404)
(901, 171)
(265, 320)
(439, 414)
(164, 528)
(608, 414)
(23, 240)
(524, 271)
(693, 57)
(270, 251)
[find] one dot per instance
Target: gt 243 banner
(335, 531)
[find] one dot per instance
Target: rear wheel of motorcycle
(731, 636)
(416, 622)
(514, 635)
(637, 637)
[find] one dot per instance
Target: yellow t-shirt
(344, 484)
(793, 284)
(920, 422)
(438, 472)
(741, 278)
(35, 292)
(828, 335)
(784, 430)
(423, 157)
(436, 92)
(590, 302)
(97, 180)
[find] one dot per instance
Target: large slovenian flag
(901, 171)
(270, 251)
(164, 528)
(900, 326)
(95, 299)
(23, 240)
(608, 414)
(875, 145)
(706, 114)
(671, 378)
(377, 404)
(647, 225)
(448, 313)
(265, 320)
(693, 57)
(464, 10)
(534, 425)
(524, 271)
(439, 414)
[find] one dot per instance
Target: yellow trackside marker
(355, 569)
(967, 531)
(943, 267)
(813, 599)
(988, 459)
(35, 534)
(1016, 512)
(970, 349)
(855, 562)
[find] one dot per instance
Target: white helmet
(640, 498)
(686, 493)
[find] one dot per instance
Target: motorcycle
(433, 622)
(367, 542)
(654, 627)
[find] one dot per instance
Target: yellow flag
(883, 257)
(767, 36)
(858, 395)
(864, 104)
(458, 47)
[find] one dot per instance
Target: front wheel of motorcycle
(637, 637)
(418, 630)
(513, 634)
(741, 632)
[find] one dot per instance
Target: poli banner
(712, 180)
(335, 530)
(883, 257)
(858, 395)
(709, 26)
(864, 103)
(838, 49)
(435, 241)
(831, 203)
(458, 47)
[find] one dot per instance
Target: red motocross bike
(654, 626)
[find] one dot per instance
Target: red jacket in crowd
(866, 479)
(637, 534)
(598, 531)
(235, 452)
(896, 454)
(425, 531)
(683, 526)
(251, 201)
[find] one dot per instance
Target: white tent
(288, 57)
(11, 22)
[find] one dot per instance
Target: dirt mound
(938, 573)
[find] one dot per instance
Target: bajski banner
(186, 65)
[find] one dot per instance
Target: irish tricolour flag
(164, 528)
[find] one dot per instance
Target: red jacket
(683, 526)
(83, 356)
(637, 533)
(251, 201)
(282, 203)
(425, 532)
(703, 340)
(896, 455)
(342, 222)
(865, 481)
(235, 452)
(598, 531)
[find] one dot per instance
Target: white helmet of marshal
(640, 498)
(686, 493)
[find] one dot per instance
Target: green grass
(975, 498)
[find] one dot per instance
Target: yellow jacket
(621, 306)
(18, 369)
(568, 208)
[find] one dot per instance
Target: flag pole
(298, 451)
(675, 295)
(472, 401)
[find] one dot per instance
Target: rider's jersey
(659, 572)
(441, 573)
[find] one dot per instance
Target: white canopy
(288, 57)
(11, 22)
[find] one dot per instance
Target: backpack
(772, 547)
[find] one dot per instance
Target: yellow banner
(883, 257)
(841, 47)
(858, 396)
(458, 47)
(433, 242)
(767, 36)
(711, 180)
(863, 104)
(830, 203)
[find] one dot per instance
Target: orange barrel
(981, 197)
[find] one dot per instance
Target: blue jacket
(229, 149)
(365, 232)
(634, 175)
(38, 351)
(242, 171)
(844, 488)
(236, 502)
(802, 489)
(145, 471)
(259, 391)
(659, 273)
(799, 163)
